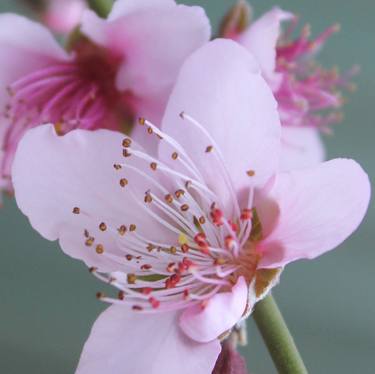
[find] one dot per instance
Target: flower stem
(277, 337)
(101, 7)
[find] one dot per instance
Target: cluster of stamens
(78, 92)
(210, 250)
(308, 95)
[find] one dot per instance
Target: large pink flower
(308, 95)
(120, 67)
(191, 238)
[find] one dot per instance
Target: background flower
(106, 79)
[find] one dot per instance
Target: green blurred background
(47, 300)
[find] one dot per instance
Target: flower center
(209, 251)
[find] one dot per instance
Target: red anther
(184, 248)
(187, 262)
(229, 241)
(205, 249)
(181, 267)
(172, 281)
(146, 267)
(246, 214)
(185, 265)
(175, 278)
(200, 237)
(217, 217)
(186, 294)
(137, 307)
(171, 267)
(233, 225)
(154, 303)
(146, 290)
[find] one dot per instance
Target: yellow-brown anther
(76, 210)
(209, 148)
(173, 250)
(103, 226)
(123, 182)
(89, 241)
(219, 261)
(169, 198)
(153, 165)
(141, 121)
(184, 207)
(99, 295)
(99, 249)
(121, 295)
(150, 247)
(179, 193)
(148, 198)
(117, 166)
(126, 153)
(202, 220)
(132, 227)
(129, 257)
(122, 230)
(126, 143)
(174, 155)
(93, 269)
(150, 130)
(131, 278)
(250, 173)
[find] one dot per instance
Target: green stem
(277, 337)
(101, 7)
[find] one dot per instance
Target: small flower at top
(116, 69)
(193, 235)
(60, 16)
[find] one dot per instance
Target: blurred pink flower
(308, 95)
(123, 66)
(62, 16)
(195, 236)
(230, 361)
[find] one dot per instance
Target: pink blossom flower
(308, 95)
(121, 67)
(62, 16)
(194, 236)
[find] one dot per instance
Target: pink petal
(122, 341)
(318, 208)
(220, 314)
(300, 147)
(154, 38)
(261, 38)
(25, 45)
(124, 7)
(63, 15)
(220, 86)
(53, 174)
